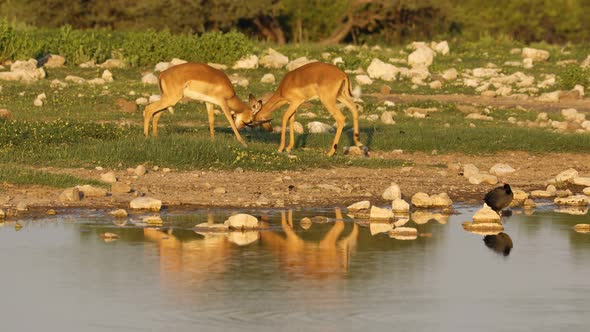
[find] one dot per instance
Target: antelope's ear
(251, 98)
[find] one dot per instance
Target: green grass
(81, 126)
(17, 174)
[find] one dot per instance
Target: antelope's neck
(274, 102)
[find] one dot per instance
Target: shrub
(572, 75)
(136, 48)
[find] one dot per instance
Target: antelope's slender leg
(211, 118)
(355, 118)
(227, 113)
(291, 133)
(288, 114)
(151, 110)
(330, 104)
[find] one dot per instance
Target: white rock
(450, 74)
(571, 114)
(535, 54)
(268, 78)
(206, 227)
(363, 80)
(442, 48)
(582, 181)
(88, 64)
(69, 195)
(161, 66)
(298, 128)
(421, 200)
(541, 194)
(248, 62)
(387, 118)
(146, 203)
(519, 195)
(337, 61)
(423, 56)
(107, 76)
(55, 61)
(58, 84)
(140, 170)
(470, 170)
(551, 97)
(154, 98)
(485, 72)
(400, 206)
(392, 192)
(587, 191)
(273, 59)
(362, 205)
(302, 61)
(483, 178)
(316, 127)
(529, 204)
(380, 227)
(577, 200)
(435, 85)
(108, 177)
(441, 200)
(243, 238)
(113, 63)
(96, 81)
(404, 233)
(580, 89)
(218, 66)
(381, 70)
(501, 169)
(477, 116)
(149, 79)
(241, 221)
(567, 176)
(486, 215)
(527, 63)
(91, 191)
(176, 62)
(378, 213)
(75, 79)
(141, 101)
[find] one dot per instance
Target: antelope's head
(259, 117)
(243, 119)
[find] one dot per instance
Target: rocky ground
(312, 188)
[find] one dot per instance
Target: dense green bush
(572, 75)
(136, 48)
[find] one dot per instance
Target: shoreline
(312, 188)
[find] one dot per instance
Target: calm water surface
(57, 274)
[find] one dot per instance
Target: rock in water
(499, 198)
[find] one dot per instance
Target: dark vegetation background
(283, 21)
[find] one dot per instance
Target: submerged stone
(242, 221)
(378, 213)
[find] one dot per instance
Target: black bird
(500, 243)
(499, 198)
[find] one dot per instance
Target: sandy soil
(312, 188)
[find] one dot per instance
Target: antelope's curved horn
(258, 123)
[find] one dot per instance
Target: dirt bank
(311, 188)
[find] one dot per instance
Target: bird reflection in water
(500, 243)
(312, 259)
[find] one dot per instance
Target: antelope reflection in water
(191, 261)
(324, 259)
